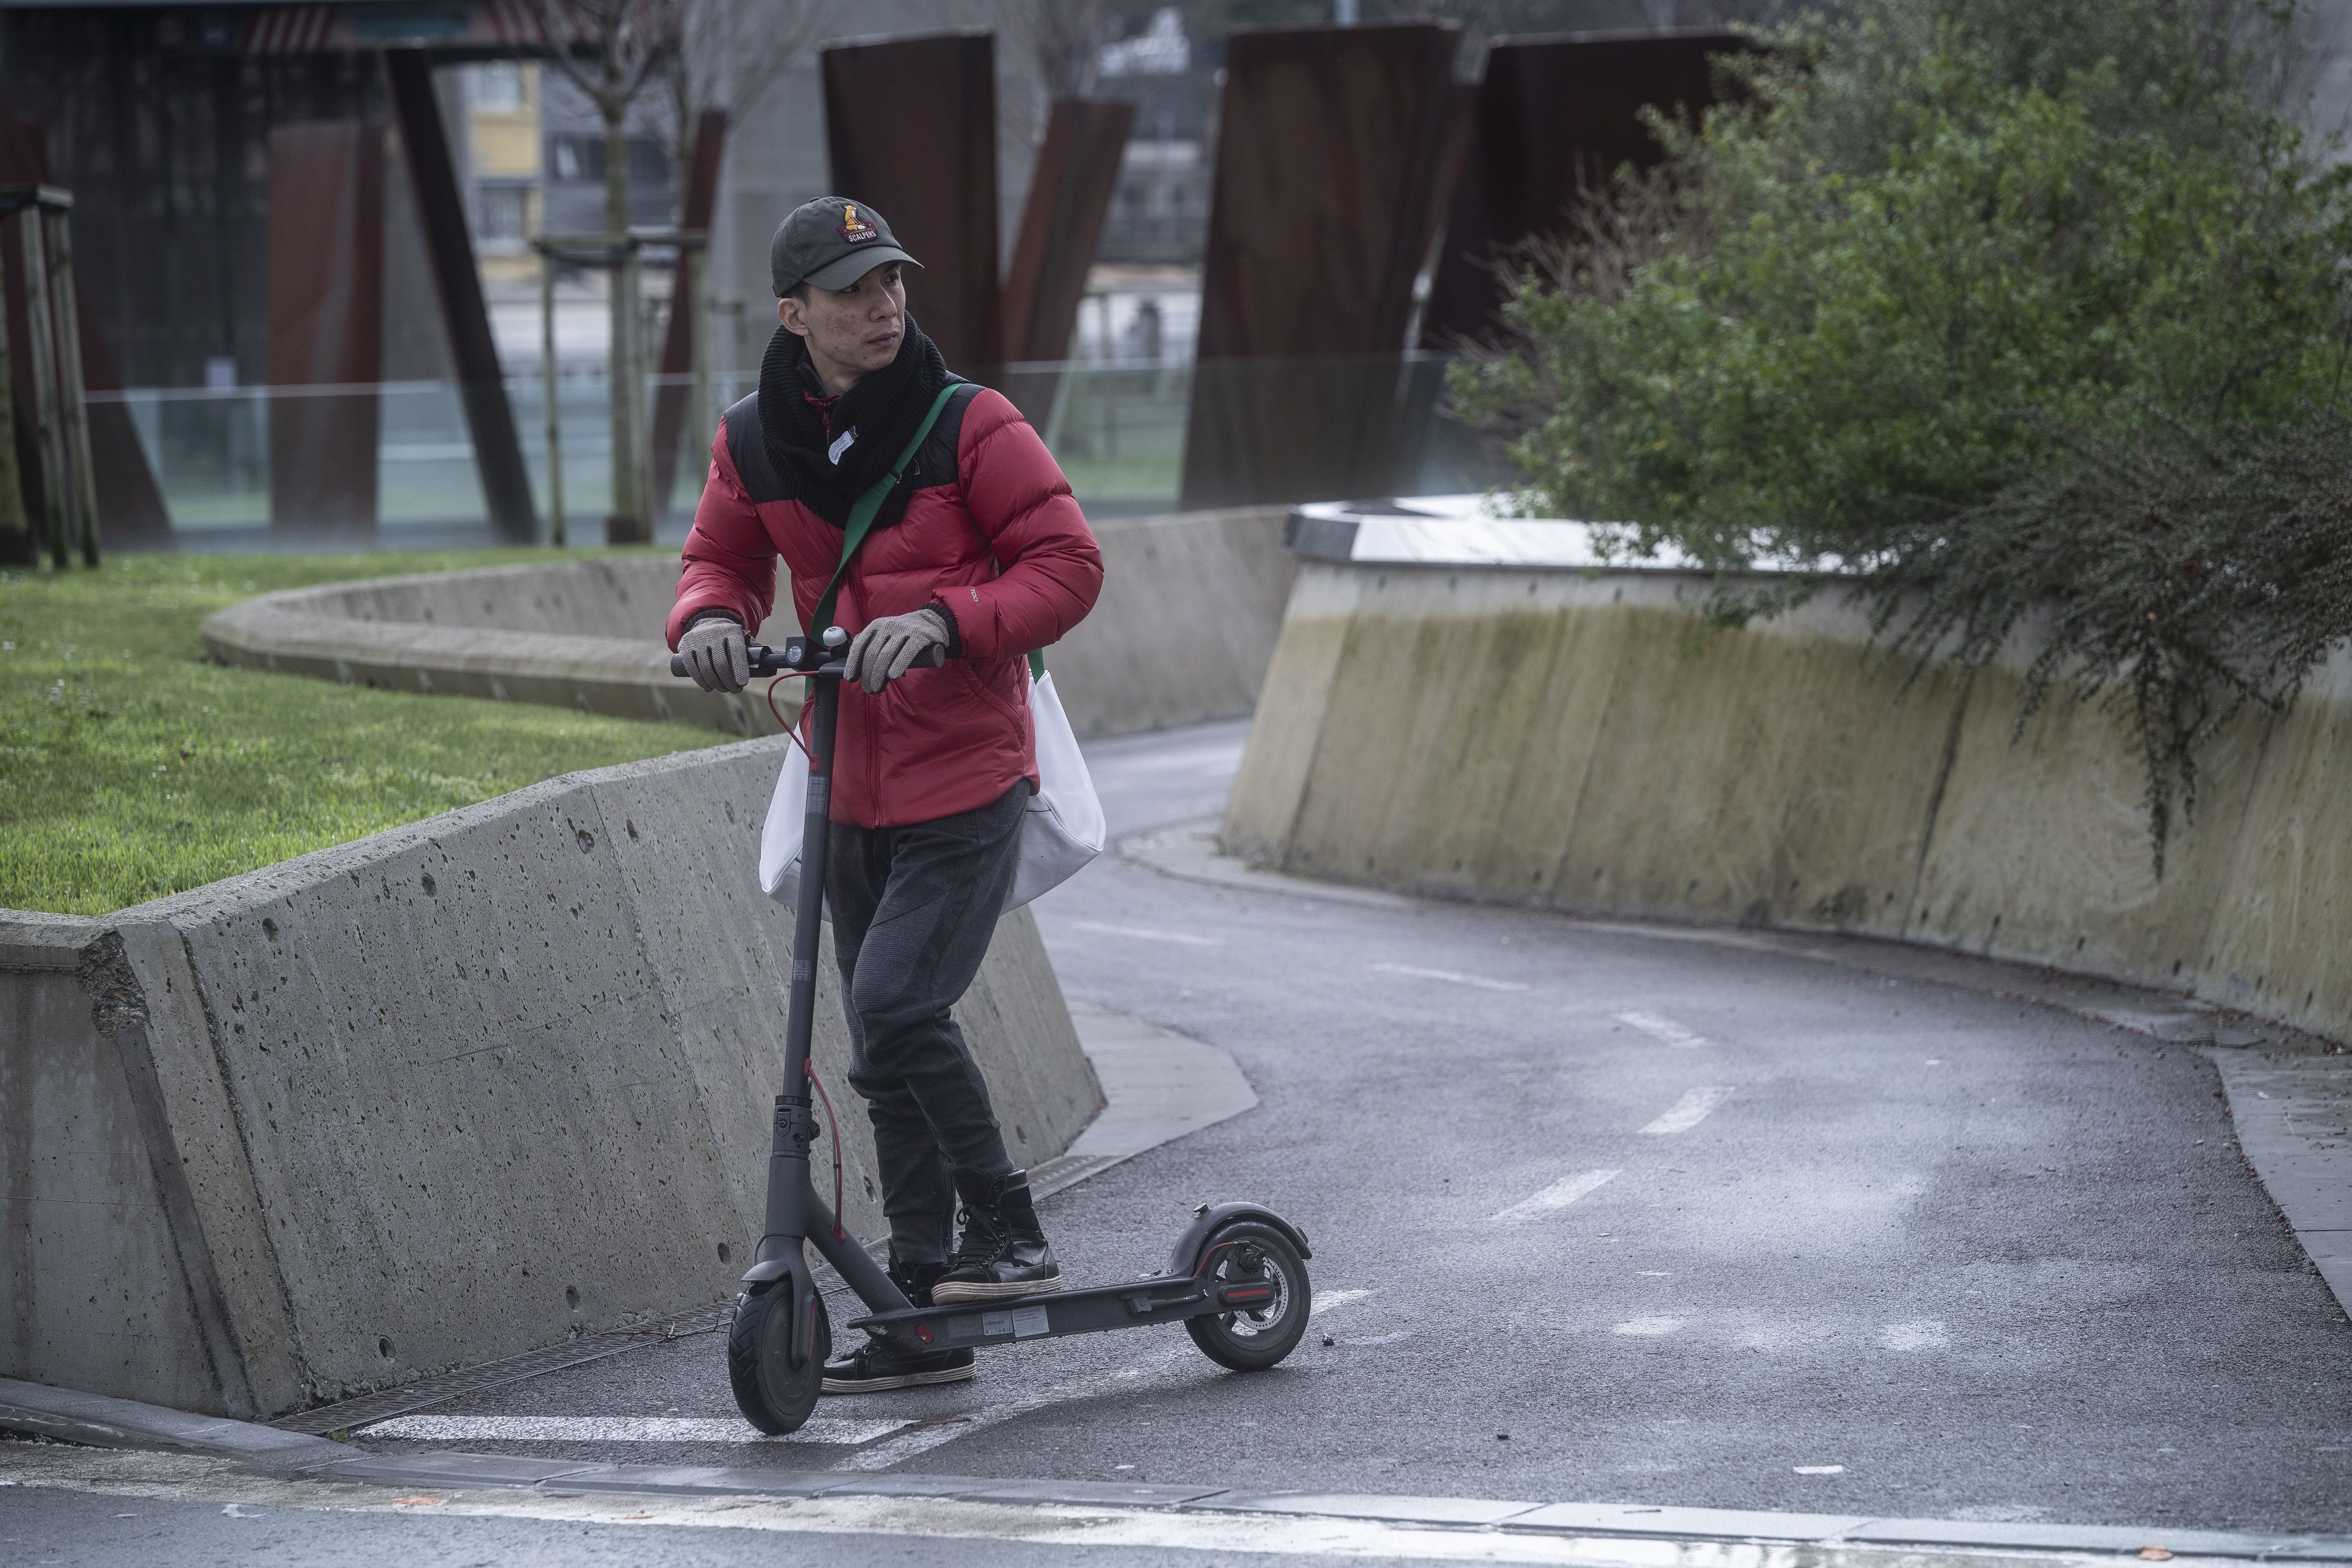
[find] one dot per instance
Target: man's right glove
(717, 654)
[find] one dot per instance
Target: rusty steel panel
(1555, 118)
(677, 344)
(1061, 229)
(1331, 157)
(441, 208)
(912, 126)
(326, 324)
(1077, 170)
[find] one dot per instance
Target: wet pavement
(1601, 1213)
(1607, 1215)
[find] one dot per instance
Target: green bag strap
(869, 506)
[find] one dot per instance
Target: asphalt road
(1608, 1216)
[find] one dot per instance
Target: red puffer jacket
(991, 531)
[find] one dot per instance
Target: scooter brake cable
(792, 730)
(809, 1068)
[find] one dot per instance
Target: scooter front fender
(1210, 1217)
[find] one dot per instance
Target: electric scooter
(1237, 1278)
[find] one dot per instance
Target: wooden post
(19, 547)
(547, 396)
(692, 269)
(79, 468)
(48, 450)
(628, 522)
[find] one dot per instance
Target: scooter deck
(1156, 1299)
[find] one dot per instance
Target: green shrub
(1989, 302)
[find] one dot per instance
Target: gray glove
(717, 655)
(887, 648)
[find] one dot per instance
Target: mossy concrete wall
(436, 1097)
(1190, 608)
(1583, 742)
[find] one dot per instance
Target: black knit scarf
(884, 408)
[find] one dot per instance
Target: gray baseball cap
(831, 242)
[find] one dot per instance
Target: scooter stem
(795, 1212)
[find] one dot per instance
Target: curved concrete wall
(1190, 608)
(433, 1098)
(1574, 738)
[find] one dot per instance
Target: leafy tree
(1980, 298)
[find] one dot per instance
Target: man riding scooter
(979, 551)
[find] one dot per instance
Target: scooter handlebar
(806, 656)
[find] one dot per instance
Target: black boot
(914, 1280)
(1003, 1252)
(870, 1368)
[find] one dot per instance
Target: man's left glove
(889, 647)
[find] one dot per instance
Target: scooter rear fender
(1187, 1250)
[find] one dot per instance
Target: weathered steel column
(1061, 228)
(1554, 121)
(680, 354)
(1331, 166)
(932, 174)
(489, 418)
(326, 327)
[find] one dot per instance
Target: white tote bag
(1061, 829)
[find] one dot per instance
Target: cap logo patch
(855, 229)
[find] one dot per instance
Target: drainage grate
(369, 1408)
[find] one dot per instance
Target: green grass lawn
(131, 768)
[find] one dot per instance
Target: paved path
(1608, 1213)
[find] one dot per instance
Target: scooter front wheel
(774, 1394)
(1250, 1251)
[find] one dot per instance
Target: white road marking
(1919, 1335)
(922, 1439)
(928, 1521)
(1663, 1029)
(1688, 1112)
(1558, 1196)
(1648, 1328)
(1819, 1469)
(1452, 976)
(621, 1429)
(1150, 934)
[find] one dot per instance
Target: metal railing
(1120, 431)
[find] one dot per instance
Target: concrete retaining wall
(434, 1097)
(1573, 738)
(1191, 604)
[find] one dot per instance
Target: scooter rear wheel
(772, 1395)
(1251, 1342)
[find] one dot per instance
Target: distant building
(506, 200)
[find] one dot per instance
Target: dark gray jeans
(913, 909)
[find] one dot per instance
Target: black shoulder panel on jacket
(936, 463)
(761, 480)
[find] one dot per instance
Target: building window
(498, 85)
(503, 216)
(575, 157)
